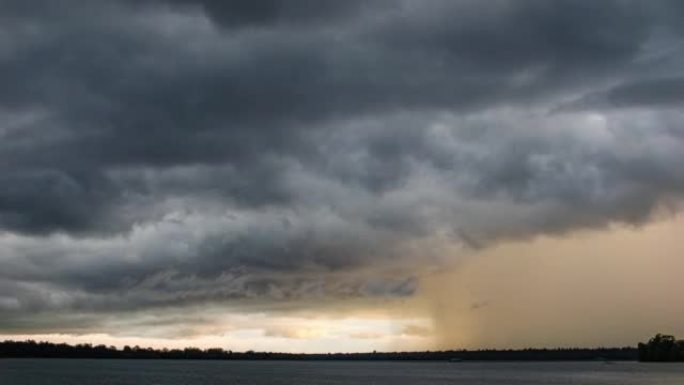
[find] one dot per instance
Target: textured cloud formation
(166, 153)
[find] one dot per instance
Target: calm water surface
(122, 372)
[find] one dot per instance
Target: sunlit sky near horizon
(334, 176)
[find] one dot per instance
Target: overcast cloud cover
(165, 154)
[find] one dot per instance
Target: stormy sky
(254, 172)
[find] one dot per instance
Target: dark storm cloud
(649, 93)
(240, 13)
(668, 92)
(170, 152)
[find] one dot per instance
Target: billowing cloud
(174, 153)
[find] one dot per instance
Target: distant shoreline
(32, 349)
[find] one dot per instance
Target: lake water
(123, 372)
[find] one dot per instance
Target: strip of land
(33, 349)
(661, 348)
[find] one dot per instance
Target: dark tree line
(32, 349)
(662, 348)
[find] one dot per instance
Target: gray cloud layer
(165, 153)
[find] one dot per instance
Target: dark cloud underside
(166, 153)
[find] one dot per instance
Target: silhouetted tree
(661, 348)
